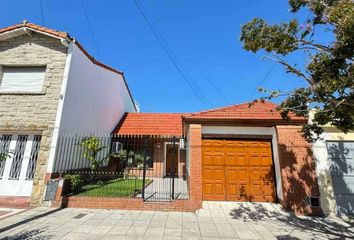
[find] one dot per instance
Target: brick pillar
(298, 170)
(195, 159)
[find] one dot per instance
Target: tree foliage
(130, 160)
(92, 147)
(328, 71)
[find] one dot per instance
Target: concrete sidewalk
(217, 220)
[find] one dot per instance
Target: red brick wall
(195, 155)
(297, 170)
(14, 202)
(126, 204)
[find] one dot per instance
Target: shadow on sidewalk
(36, 234)
(30, 219)
(257, 212)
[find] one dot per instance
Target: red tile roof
(168, 124)
(258, 110)
(36, 27)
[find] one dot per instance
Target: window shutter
(22, 79)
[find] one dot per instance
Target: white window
(22, 79)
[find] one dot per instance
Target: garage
(238, 170)
(341, 159)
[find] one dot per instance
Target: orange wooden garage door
(238, 170)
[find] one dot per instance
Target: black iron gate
(161, 182)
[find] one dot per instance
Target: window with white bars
(22, 79)
(33, 158)
(15, 170)
(4, 147)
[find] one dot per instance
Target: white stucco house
(334, 155)
(49, 85)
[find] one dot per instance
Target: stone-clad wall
(34, 112)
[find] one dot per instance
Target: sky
(203, 35)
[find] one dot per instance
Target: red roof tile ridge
(36, 27)
(231, 106)
(156, 113)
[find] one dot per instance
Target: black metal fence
(148, 167)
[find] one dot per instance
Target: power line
(217, 89)
(90, 28)
(42, 12)
(172, 56)
(264, 79)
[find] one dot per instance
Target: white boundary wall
(319, 148)
(95, 98)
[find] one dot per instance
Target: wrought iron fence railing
(148, 167)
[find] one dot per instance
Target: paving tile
(141, 224)
(247, 235)
(173, 232)
(133, 237)
(258, 227)
(227, 234)
(191, 234)
(83, 229)
(171, 238)
(208, 233)
(125, 223)
(207, 225)
(75, 236)
(153, 237)
(204, 219)
(224, 226)
(101, 229)
(155, 232)
(93, 222)
(144, 217)
(112, 237)
(190, 225)
(217, 213)
(119, 230)
(157, 224)
(173, 224)
(136, 231)
(267, 235)
(203, 213)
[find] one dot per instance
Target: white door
(17, 171)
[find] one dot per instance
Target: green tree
(130, 160)
(328, 71)
(92, 147)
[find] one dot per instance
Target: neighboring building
(334, 154)
(49, 86)
(244, 152)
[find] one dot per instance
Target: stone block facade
(298, 171)
(33, 112)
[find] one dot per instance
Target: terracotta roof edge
(221, 108)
